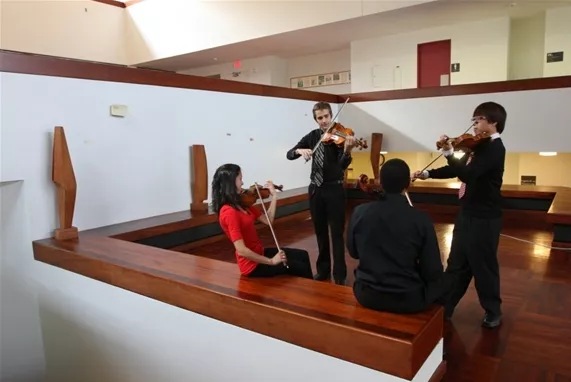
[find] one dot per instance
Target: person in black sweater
(326, 192)
(400, 269)
(478, 225)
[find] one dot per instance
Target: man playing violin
(478, 225)
(326, 192)
(238, 223)
(400, 269)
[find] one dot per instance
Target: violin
(249, 196)
(465, 142)
(363, 185)
(337, 134)
(376, 190)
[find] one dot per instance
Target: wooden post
(198, 178)
(376, 145)
(64, 179)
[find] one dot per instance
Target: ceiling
(340, 34)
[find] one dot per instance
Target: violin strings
(268, 218)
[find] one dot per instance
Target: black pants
(437, 292)
(297, 261)
(474, 254)
(327, 208)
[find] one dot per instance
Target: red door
(433, 61)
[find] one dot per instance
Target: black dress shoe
(321, 277)
(340, 282)
(491, 321)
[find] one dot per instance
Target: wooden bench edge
(309, 332)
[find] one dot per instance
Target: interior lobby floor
(534, 341)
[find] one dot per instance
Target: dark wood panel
(27, 63)
(164, 224)
(456, 90)
(559, 211)
(114, 3)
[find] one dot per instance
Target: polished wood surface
(559, 212)
(534, 342)
(198, 178)
(318, 316)
(375, 157)
(63, 177)
(208, 273)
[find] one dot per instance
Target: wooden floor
(534, 342)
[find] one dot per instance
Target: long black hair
(224, 189)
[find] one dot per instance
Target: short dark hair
(493, 112)
(322, 106)
(395, 176)
(224, 189)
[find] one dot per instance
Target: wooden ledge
(319, 316)
(164, 224)
(43, 65)
(530, 204)
(541, 83)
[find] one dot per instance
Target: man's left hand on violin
(349, 143)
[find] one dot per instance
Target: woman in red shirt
(238, 223)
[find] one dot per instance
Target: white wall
(267, 70)
(526, 47)
(76, 29)
(157, 27)
(480, 47)
(135, 167)
(276, 71)
(558, 38)
(321, 63)
(537, 120)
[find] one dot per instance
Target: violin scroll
(249, 196)
(465, 142)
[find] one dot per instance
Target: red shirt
(238, 225)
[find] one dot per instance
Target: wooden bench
(319, 316)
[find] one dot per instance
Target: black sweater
(395, 244)
(336, 160)
(483, 177)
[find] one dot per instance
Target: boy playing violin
(326, 192)
(476, 235)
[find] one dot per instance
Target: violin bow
(268, 218)
(330, 126)
(408, 199)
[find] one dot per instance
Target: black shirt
(395, 244)
(336, 161)
(483, 177)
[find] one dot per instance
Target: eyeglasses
(478, 119)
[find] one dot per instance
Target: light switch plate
(118, 110)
